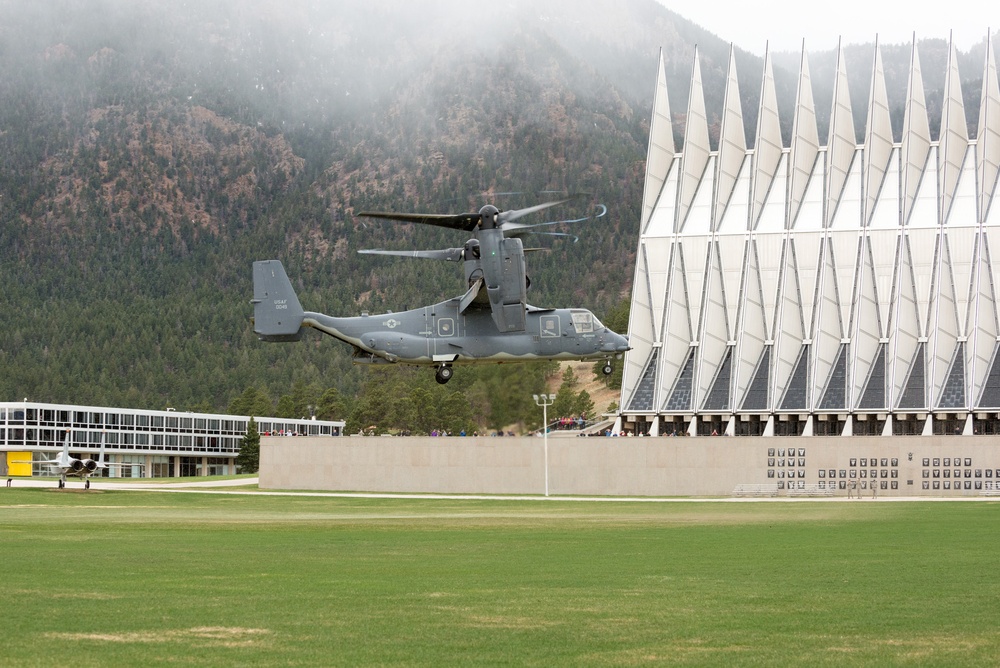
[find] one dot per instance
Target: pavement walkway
(220, 487)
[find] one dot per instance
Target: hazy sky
(785, 23)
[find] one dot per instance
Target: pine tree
(248, 460)
(584, 405)
(331, 405)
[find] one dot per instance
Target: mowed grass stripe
(120, 578)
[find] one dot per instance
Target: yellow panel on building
(19, 464)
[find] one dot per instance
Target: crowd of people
(575, 422)
(372, 431)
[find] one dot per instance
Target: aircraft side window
(583, 321)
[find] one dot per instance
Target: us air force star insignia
(391, 323)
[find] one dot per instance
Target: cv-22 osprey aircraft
(491, 323)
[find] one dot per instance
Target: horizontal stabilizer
(276, 310)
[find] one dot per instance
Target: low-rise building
(160, 443)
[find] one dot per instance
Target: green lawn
(129, 578)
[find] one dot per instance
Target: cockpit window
(583, 321)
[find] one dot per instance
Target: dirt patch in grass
(82, 595)
(511, 622)
(220, 636)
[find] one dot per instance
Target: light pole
(545, 400)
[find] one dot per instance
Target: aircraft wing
(55, 463)
(470, 295)
(41, 462)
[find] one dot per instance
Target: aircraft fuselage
(441, 334)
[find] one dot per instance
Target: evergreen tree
(370, 410)
(423, 406)
(253, 401)
(305, 399)
(331, 405)
(248, 460)
(456, 413)
(584, 405)
(287, 408)
(565, 403)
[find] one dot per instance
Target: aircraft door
(442, 327)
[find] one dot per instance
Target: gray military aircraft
(491, 323)
(81, 468)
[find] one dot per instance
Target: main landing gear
(444, 373)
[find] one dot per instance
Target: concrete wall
(704, 466)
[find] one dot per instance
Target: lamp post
(545, 400)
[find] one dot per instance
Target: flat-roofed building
(161, 443)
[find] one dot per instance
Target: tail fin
(276, 310)
(63, 457)
(100, 456)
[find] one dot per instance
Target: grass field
(130, 578)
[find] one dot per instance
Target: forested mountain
(151, 150)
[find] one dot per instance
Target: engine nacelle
(76, 465)
(90, 465)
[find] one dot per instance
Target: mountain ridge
(149, 155)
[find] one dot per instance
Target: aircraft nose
(617, 344)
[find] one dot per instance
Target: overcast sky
(751, 24)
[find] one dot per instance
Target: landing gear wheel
(444, 374)
(86, 485)
(606, 370)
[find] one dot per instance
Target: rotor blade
(560, 234)
(521, 229)
(603, 209)
(449, 254)
(461, 221)
(508, 216)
